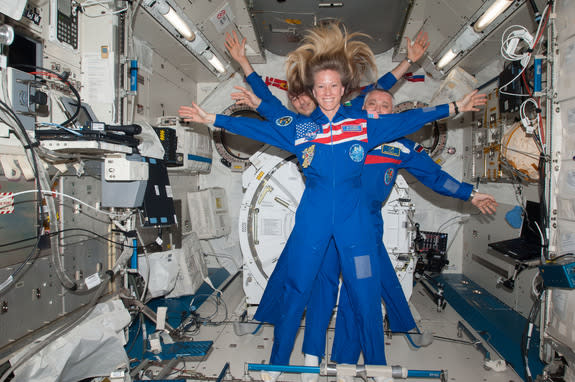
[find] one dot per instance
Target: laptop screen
(529, 229)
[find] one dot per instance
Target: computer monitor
(25, 51)
(85, 115)
(529, 230)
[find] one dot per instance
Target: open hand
(485, 202)
(471, 101)
(246, 97)
(416, 50)
(195, 114)
(236, 48)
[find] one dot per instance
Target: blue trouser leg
(361, 276)
(269, 307)
(396, 305)
(301, 269)
(345, 348)
(321, 303)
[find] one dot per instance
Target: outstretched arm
(415, 51)
(259, 87)
(387, 128)
(264, 131)
(268, 108)
(419, 164)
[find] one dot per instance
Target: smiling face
(378, 102)
(328, 90)
(303, 104)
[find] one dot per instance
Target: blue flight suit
(378, 178)
(324, 294)
(331, 154)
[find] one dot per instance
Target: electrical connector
(65, 75)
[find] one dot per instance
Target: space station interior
(136, 244)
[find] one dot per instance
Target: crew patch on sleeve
(284, 121)
(388, 176)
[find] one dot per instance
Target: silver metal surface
(282, 24)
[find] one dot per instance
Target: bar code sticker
(6, 203)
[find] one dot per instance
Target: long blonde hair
(330, 47)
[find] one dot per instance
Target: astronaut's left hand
(196, 114)
(485, 202)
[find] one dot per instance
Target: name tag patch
(346, 128)
(390, 150)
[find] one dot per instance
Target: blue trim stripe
(198, 158)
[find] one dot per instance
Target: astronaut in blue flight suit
(378, 178)
(319, 312)
(274, 110)
(305, 105)
(331, 145)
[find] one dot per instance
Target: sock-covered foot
(421, 339)
(343, 372)
(270, 376)
(383, 379)
(310, 360)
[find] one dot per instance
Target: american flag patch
(306, 131)
(332, 134)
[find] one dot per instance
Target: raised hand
(416, 50)
(470, 102)
(237, 50)
(196, 114)
(246, 97)
(233, 45)
(485, 202)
